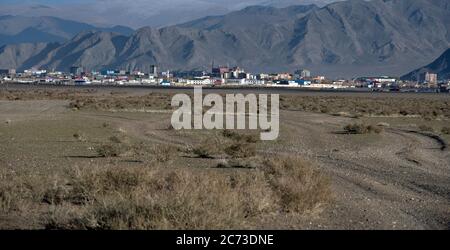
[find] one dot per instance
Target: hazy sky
(135, 13)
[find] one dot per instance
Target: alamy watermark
(230, 113)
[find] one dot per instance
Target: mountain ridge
(342, 39)
(440, 66)
(19, 29)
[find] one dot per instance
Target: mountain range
(137, 13)
(342, 39)
(440, 66)
(20, 29)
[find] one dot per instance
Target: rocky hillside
(350, 38)
(440, 66)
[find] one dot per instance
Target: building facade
(431, 78)
(76, 70)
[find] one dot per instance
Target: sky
(135, 13)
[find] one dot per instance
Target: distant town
(222, 76)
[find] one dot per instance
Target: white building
(255, 82)
(431, 78)
(264, 76)
(199, 81)
(326, 86)
(385, 79)
(302, 74)
(35, 72)
(236, 81)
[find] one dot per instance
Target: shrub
(249, 138)
(80, 137)
(77, 104)
(138, 197)
(230, 134)
(109, 150)
(203, 151)
(116, 139)
(172, 200)
(361, 128)
(7, 198)
(241, 150)
(356, 128)
(209, 148)
(375, 129)
(55, 194)
(446, 130)
(426, 128)
(164, 153)
(298, 183)
(89, 184)
(236, 163)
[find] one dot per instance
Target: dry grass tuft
(164, 153)
(203, 151)
(117, 139)
(228, 143)
(110, 150)
(160, 199)
(80, 136)
(209, 148)
(361, 128)
(426, 128)
(300, 186)
(241, 150)
(240, 137)
(170, 127)
(237, 163)
(117, 145)
(118, 197)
